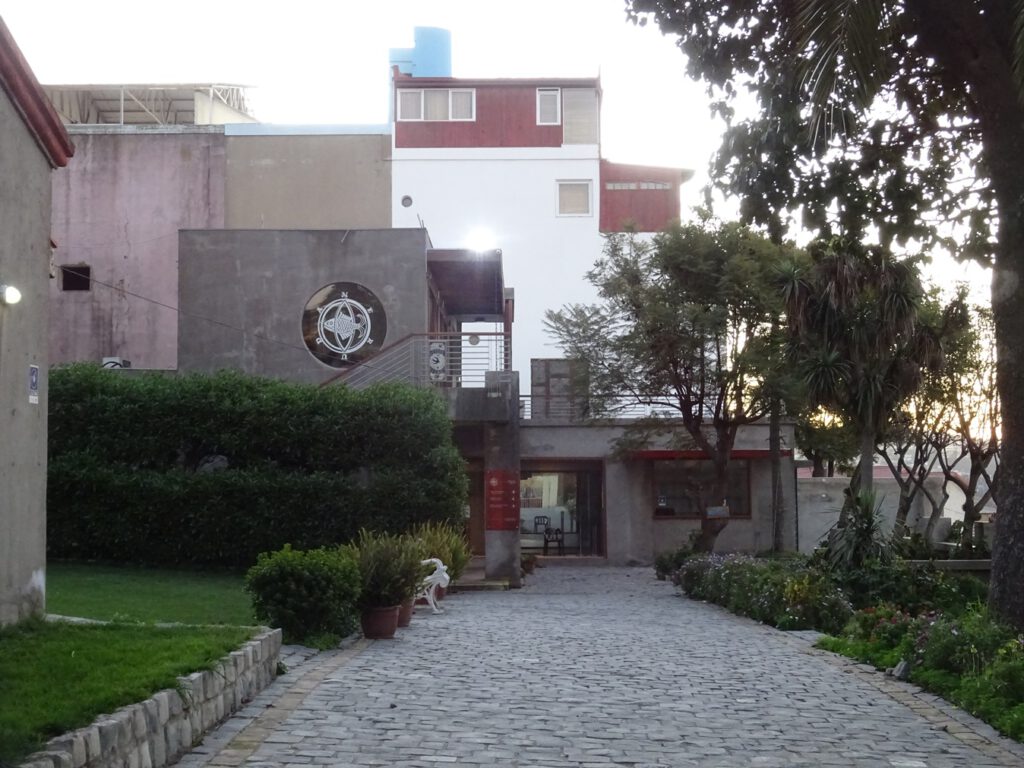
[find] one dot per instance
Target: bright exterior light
(481, 239)
(9, 294)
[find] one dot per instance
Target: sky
(327, 62)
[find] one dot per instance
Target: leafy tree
(917, 434)
(900, 115)
(684, 329)
(974, 417)
(826, 440)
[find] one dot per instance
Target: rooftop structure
(150, 104)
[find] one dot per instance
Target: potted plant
(415, 555)
(387, 580)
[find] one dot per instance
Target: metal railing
(578, 409)
(434, 359)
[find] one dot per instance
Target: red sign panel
(501, 500)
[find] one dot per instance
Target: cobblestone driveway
(594, 667)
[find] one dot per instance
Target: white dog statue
(430, 583)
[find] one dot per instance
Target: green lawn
(57, 677)
(146, 594)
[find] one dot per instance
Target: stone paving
(594, 668)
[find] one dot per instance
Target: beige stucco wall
(24, 263)
(309, 182)
(118, 208)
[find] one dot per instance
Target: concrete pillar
(501, 483)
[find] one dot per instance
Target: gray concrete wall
(309, 182)
(821, 498)
(118, 208)
(243, 292)
(24, 263)
(633, 533)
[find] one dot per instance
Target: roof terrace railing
(565, 408)
(434, 359)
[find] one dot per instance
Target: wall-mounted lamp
(9, 294)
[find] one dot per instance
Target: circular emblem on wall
(343, 323)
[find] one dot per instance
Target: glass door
(560, 513)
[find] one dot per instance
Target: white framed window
(410, 105)
(574, 198)
(549, 106)
(463, 105)
(437, 104)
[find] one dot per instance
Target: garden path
(594, 668)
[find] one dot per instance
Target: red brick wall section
(646, 209)
(506, 116)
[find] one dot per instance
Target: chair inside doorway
(560, 512)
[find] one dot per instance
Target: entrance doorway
(561, 509)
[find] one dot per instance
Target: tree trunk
(935, 514)
(863, 477)
(866, 463)
(903, 509)
(710, 527)
(831, 468)
(961, 39)
(775, 446)
(818, 465)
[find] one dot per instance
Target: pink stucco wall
(118, 209)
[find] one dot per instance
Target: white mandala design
(344, 326)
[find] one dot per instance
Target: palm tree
(852, 314)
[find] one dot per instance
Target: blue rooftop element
(430, 56)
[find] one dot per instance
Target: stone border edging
(250, 738)
(156, 732)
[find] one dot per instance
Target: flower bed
(933, 621)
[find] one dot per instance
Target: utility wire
(178, 310)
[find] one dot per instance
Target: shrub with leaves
(130, 457)
(784, 592)
(667, 563)
(305, 593)
(860, 536)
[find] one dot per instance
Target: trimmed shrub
(308, 594)
(305, 465)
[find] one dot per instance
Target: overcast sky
(327, 62)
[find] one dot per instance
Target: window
(574, 198)
(579, 116)
(437, 104)
(75, 277)
(613, 185)
(549, 106)
(675, 488)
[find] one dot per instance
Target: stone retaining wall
(159, 730)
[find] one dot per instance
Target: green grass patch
(147, 594)
(58, 677)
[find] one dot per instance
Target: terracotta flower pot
(380, 623)
(405, 613)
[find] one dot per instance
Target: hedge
(306, 466)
